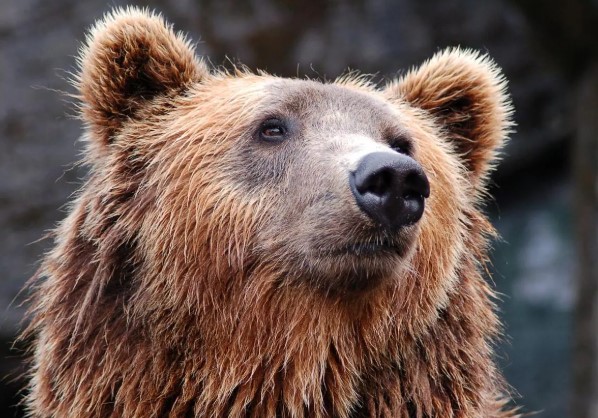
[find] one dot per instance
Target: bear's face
(258, 182)
(282, 156)
(301, 150)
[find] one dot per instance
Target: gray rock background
(533, 262)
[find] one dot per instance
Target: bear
(247, 245)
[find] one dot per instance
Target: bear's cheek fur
(201, 220)
(444, 225)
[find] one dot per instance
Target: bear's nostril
(416, 185)
(377, 183)
(390, 188)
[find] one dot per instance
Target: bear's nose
(390, 188)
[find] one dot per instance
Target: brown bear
(253, 246)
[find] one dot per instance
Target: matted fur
(173, 291)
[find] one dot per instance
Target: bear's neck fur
(108, 351)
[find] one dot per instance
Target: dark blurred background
(545, 191)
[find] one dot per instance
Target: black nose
(390, 188)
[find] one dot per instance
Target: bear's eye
(401, 145)
(273, 130)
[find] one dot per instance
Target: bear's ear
(465, 93)
(130, 57)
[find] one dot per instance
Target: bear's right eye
(273, 130)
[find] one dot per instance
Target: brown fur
(183, 281)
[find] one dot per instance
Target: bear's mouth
(381, 247)
(359, 261)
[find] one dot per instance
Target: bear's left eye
(273, 130)
(401, 145)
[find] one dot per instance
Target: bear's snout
(390, 188)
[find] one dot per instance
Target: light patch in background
(546, 263)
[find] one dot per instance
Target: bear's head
(258, 230)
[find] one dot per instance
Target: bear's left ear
(465, 93)
(131, 57)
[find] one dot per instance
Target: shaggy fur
(183, 282)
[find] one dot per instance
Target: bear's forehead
(318, 101)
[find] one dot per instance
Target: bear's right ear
(130, 57)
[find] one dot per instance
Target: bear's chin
(358, 269)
